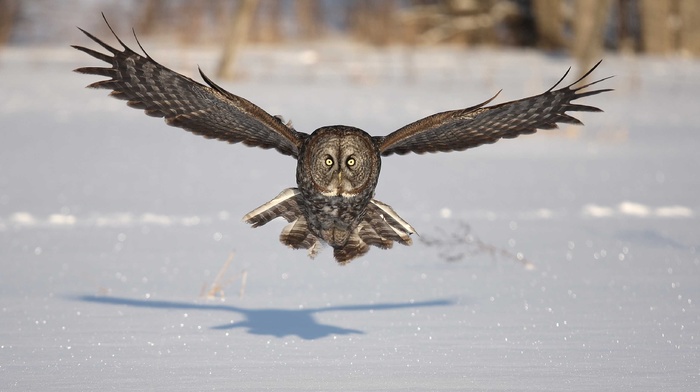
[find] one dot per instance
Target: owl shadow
(270, 322)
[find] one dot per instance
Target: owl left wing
(458, 130)
(209, 111)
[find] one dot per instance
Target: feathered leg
(381, 226)
(286, 205)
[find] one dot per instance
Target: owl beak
(340, 183)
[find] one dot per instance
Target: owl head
(340, 161)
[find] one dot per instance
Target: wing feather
(285, 205)
(209, 111)
(458, 130)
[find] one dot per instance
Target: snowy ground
(112, 225)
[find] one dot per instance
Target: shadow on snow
(272, 322)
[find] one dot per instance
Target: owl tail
(381, 227)
(286, 205)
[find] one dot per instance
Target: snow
(114, 228)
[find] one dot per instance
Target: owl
(337, 166)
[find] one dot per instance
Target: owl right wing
(458, 130)
(209, 111)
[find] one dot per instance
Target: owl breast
(337, 172)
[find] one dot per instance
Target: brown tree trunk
(8, 13)
(589, 30)
(268, 22)
(689, 38)
(657, 28)
(149, 15)
(627, 42)
(235, 37)
(373, 21)
(549, 22)
(308, 13)
(193, 12)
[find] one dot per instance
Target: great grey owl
(337, 166)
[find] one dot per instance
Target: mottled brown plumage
(338, 166)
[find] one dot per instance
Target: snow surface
(113, 226)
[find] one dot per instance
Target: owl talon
(314, 249)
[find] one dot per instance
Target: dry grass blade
(216, 289)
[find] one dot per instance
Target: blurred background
(580, 28)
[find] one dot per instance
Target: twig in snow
(455, 245)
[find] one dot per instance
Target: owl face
(341, 161)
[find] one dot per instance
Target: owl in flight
(337, 166)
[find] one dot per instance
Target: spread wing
(209, 111)
(471, 127)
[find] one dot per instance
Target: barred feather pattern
(459, 130)
(380, 226)
(296, 234)
(209, 111)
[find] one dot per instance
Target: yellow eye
(329, 162)
(351, 161)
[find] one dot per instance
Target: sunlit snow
(561, 261)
